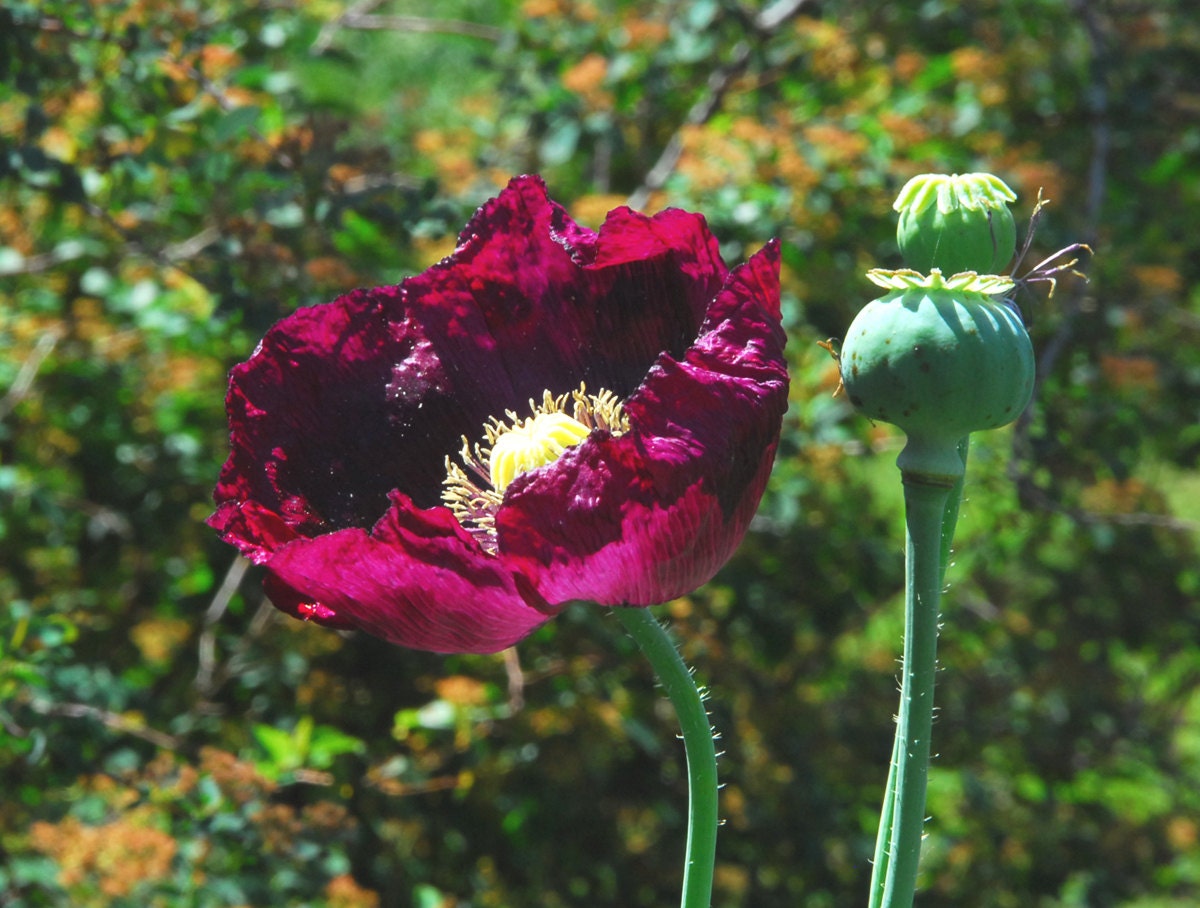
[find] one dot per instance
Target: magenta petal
(628, 237)
(255, 530)
(417, 580)
(654, 513)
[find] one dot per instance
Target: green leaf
(328, 743)
(236, 123)
(282, 748)
(560, 143)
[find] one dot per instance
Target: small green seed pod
(939, 358)
(956, 223)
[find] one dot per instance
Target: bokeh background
(176, 175)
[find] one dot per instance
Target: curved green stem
(654, 641)
(925, 512)
(881, 869)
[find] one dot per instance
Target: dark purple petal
(652, 514)
(340, 404)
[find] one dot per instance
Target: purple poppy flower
(550, 414)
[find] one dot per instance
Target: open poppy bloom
(550, 414)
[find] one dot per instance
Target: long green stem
(883, 844)
(654, 641)
(925, 512)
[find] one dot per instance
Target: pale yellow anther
(512, 446)
(533, 443)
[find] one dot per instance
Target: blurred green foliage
(175, 176)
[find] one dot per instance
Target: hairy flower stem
(950, 518)
(658, 647)
(929, 517)
(879, 872)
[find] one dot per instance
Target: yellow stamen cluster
(515, 446)
(537, 441)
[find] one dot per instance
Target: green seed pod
(940, 358)
(956, 223)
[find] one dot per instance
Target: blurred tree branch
(111, 720)
(28, 372)
(702, 110)
(207, 678)
(369, 22)
(359, 18)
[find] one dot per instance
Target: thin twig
(704, 107)
(330, 29)
(358, 17)
(115, 721)
(29, 369)
(701, 112)
(370, 22)
(516, 680)
(374, 182)
(1033, 494)
(207, 655)
(192, 246)
(238, 658)
(214, 91)
(34, 264)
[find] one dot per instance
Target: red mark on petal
(309, 610)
